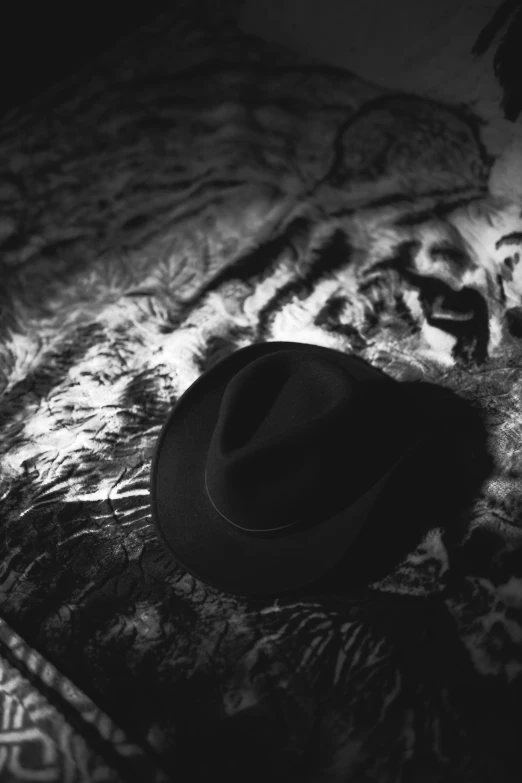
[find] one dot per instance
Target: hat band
(240, 527)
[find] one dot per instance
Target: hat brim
(210, 548)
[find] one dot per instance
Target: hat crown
(288, 444)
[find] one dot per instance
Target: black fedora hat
(270, 463)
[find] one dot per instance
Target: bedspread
(195, 192)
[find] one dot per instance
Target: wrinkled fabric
(195, 195)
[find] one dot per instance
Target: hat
(270, 463)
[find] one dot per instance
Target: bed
(192, 192)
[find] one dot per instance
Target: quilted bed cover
(194, 192)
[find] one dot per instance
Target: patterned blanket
(194, 193)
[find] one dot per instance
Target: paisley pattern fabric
(195, 193)
(53, 731)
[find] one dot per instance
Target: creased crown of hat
(292, 443)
